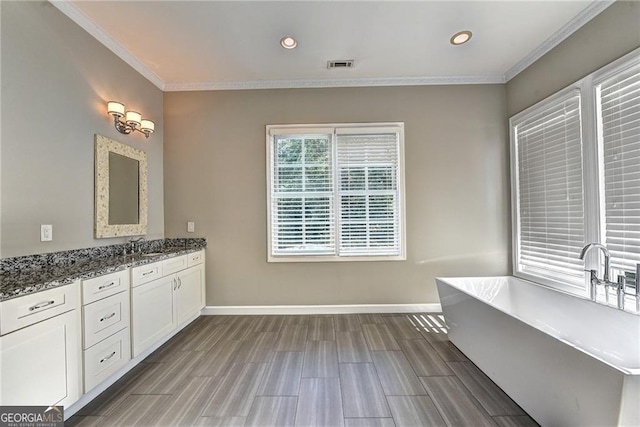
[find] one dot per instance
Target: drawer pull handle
(108, 357)
(147, 273)
(179, 283)
(106, 286)
(108, 317)
(41, 305)
(175, 284)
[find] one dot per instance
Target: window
(575, 167)
(618, 106)
(550, 211)
(335, 192)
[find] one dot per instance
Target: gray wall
(610, 35)
(56, 80)
(457, 189)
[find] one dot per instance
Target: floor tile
(292, 338)
(269, 324)
(239, 327)
(370, 318)
(491, 397)
(396, 375)
(273, 411)
(235, 394)
(256, 347)
(136, 410)
(515, 421)
(379, 337)
(414, 411)
(369, 422)
(352, 347)
(347, 323)
(320, 360)
(362, 394)
(221, 421)
(423, 358)
(320, 403)
(283, 375)
(187, 404)
(448, 352)
(456, 405)
(401, 328)
(86, 421)
(105, 403)
(218, 360)
(167, 379)
(321, 329)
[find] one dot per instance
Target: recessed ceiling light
(288, 42)
(461, 37)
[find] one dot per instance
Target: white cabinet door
(40, 364)
(152, 312)
(189, 294)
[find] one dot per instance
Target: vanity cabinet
(160, 306)
(40, 359)
(153, 315)
(106, 326)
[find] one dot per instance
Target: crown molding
(326, 83)
(77, 16)
(559, 36)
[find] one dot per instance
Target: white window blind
(368, 176)
(335, 192)
(618, 103)
(302, 195)
(550, 202)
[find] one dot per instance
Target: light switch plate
(191, 227)
(46, 232)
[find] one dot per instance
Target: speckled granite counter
(33, 273)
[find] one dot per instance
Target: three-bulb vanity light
(132, 120)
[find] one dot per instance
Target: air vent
(341, 63)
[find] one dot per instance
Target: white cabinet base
(40, 364)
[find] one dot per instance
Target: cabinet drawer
(195, 258)
(104, 286)
(105, 317)
(146, 273)
(174, 264)
(105, 358)
(29, 309)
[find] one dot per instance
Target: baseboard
(320, 309)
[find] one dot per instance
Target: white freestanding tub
(565, 360)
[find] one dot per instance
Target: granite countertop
(25, 281)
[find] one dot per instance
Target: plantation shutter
(550, 191)
(368, 195)
(618, 102)
(302, 197)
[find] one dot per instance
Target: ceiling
(194, 45)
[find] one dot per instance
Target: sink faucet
(594, 277)
(134, 243)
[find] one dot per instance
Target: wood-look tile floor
(327, 370)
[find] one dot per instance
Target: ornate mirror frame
(102, 228)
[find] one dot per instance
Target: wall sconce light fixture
(132, 120)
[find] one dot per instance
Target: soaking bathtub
(565, 360)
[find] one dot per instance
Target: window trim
(591, 169)
(272, 130)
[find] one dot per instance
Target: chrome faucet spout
(607, 257)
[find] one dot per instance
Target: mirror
(121, 189)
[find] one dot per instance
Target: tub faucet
(594, 277)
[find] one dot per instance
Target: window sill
(322, 258)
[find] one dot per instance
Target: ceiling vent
(340, 63)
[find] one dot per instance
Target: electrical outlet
(191, 227)
(46, 232)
